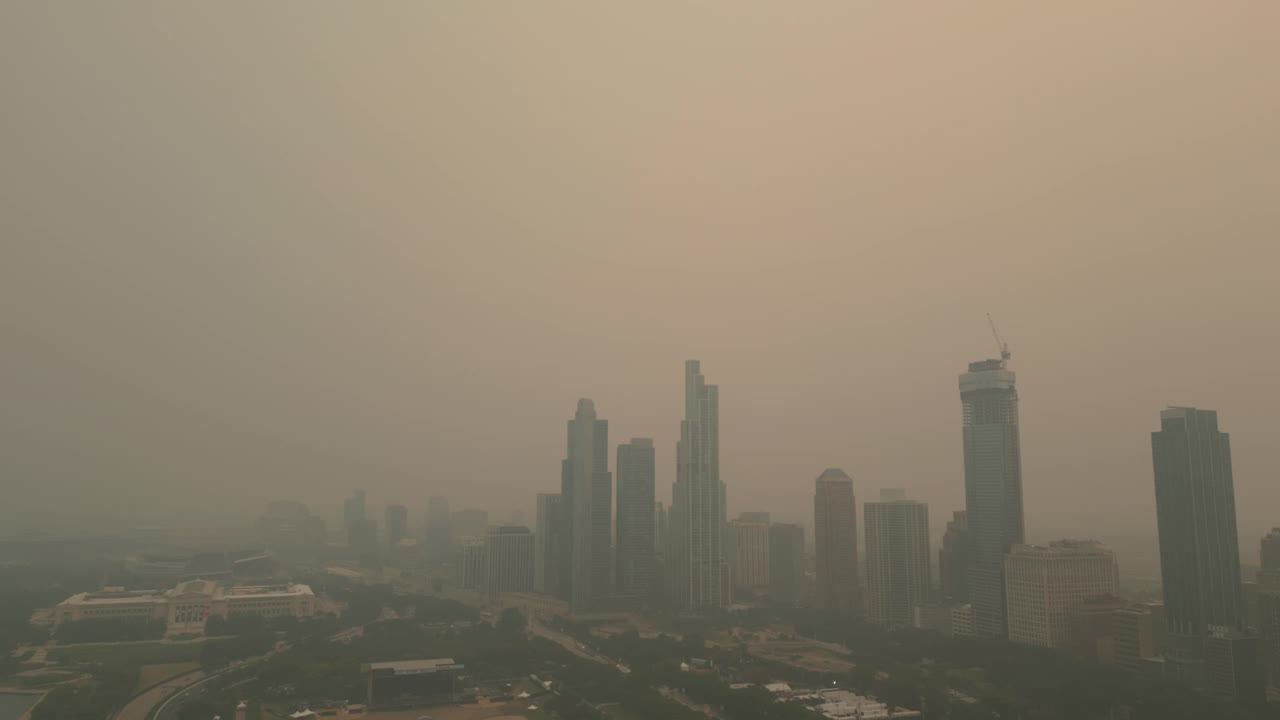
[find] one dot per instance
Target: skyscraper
(586, 492)
(1043, 582)
(749, 564)
(953, 559)
(992, 487)
(439, 528)
(698, 568)
(786, 565)
(353, 516)
(898, 576)
(546, 565)
(396, 522)
(835, 528)
(508, 560)
(1199, 548)
(635, 569)
(1270, 552)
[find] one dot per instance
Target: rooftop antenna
(1004, 346)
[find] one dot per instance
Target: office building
(698, 575)
(353, 516)
(1140, 632)
(1042, 582)
(546, 557)
(1199, 547)
(749, 566)
(396, 524)
(508, 560)
(471, 565)
(661, 532)
(1268, 625)
(992, 485)
(962, 621)
(1270, 552)
(439, 533)
(1233, 668)
(953, 559)
(586, 494)
(786, 565)
(898, 568)
(836, 541)
(1091, 629)
(636, 575)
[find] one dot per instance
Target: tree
(511, 623)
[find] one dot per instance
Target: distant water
(12, 706)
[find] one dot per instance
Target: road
(567, 643)
(139, 707)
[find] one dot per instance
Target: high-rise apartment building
(836, 541)
(471, 571)
(396, 524)
(636, 577)
(1270, 552)
(439, 535)
(586, 492)
(546, 557)
(1043, 582)
(786, 565)
(508, 560)
(353, 516)
(898, 574)
(1199, 548)
(697, 567)
(992, 486)
(1140, 632)
(749, 564)
(954, 559)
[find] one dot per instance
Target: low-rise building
(187, 607)
(844, 705)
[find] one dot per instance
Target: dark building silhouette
(439, 534)
(547, 544)
(993, 487)
(635, 532)
(396, 524)
(1199, 548)
(786, 565)
(698, 574)
(954, 559)
(835, 537)
(586, 496)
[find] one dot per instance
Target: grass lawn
(131, 654)
(155, 674)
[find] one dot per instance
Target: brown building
(1091, 629)
(1139, 634)
(836, 541)
(1268, 624)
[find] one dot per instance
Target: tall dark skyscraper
(953, 559)
(353, 514)
(546, 558)
(835, 532)
(1199, 548)
(396, 524)
(698, 570)
(586, 492)
(1270, 552)
(786, 565)
(635, 568)
(992, 487)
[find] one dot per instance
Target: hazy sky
(282, 250)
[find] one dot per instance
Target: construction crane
(1004, 346)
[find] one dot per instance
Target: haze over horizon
(389, 247)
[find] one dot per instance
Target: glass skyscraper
(635, 565)
(586, 496)
(1199, 548)
(697, 568)
(992, 487)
